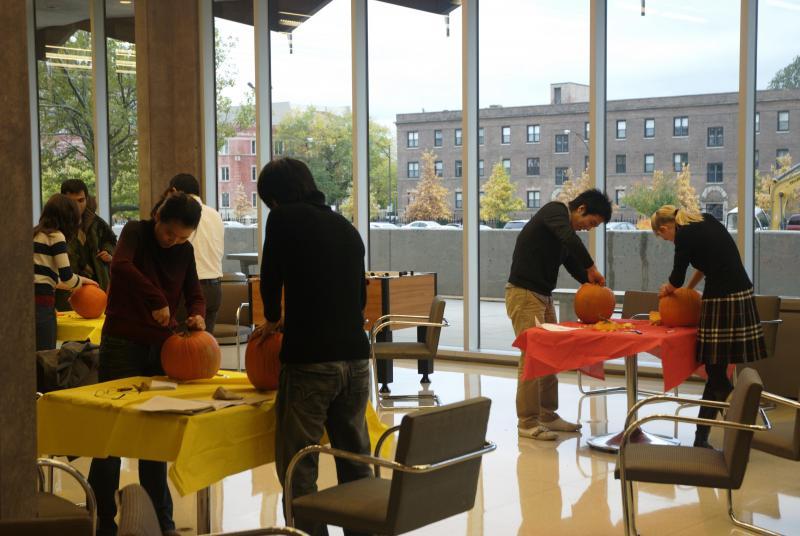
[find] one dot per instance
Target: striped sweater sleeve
(59, 261)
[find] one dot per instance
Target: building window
(225, 202)
(253, 174)
(757, 158)
(649, 163)
(621, 163)
(533, 133)
(224, 148)
(715, 138)
(480, 168)
(507, 166)
(758, 122)
(562, 143)
(650, 128)
(279, 147)
(715, 209)
(622, 129)
(561, 175)
(557, 95)
(457, 140)
(437, 138)
(619, 195)
(224, 174)
(505, 135)
(533, 166)
(438, 167)
(252, 146)
(458, 168)
(480, 136)
(412, 139)
(534, 198)
(413, 170)
(459, 200)
(783, 121)
(586, 162)
(679, 160)
(586, 130)
(680, 126)
(780, 154)
(254, 199)
(714, 172)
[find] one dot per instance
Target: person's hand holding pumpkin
(665, 290)
(594, 276)
(162, 316)
(196, 322)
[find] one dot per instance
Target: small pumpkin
(262, 361)
(89, 301)
(594, 303)
(681, 308)
(191, 355)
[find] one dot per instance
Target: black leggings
(718, 387)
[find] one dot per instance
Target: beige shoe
(541, 433)
(560, 425)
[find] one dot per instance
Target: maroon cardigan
(146, 277)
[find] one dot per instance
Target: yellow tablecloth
(73, 327)
(97, 421)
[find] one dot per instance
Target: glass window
(480, 136)
(680, 126)
(507, 165)
(459, 201)
(412, 139)
(225, 201)
(650, 128)
(779, 155)
(649, 163)
(533, 166)
(561, 175)
(758, 122)
(757, 159)
(557, 95)
(619, 195)
(252, 146)
(458, 169)
(253, 173)
(622, 129)
(586, 162)
(679, 160)
(457, 140)
(254, 199)
(534, 198)
(714, 172)
(438, 166)
(715, 138)
(586, 130)
(783, 121)
(413, 170)
(437, 138)
(505, 135)
(534, 132)
(480, 168)
(715, 209)
(225, 173)
(562, 143)
(621, 163)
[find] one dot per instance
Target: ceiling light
(289, 22)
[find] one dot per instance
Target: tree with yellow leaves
(764, 183)
(499, 200)
(431, 201)
(687, 195)
(572, 188)
(346, 208)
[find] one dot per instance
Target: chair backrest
(769, 308)
(743, 409)
(137, 517)
(639, 302)
(234, 276)
(234, 293)
(430, 436)
(437, 315)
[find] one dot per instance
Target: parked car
(793, 223)
(421, 224)
(232, 223)
(515, 224)
(620, 226)
(381, 225)
(460, 226)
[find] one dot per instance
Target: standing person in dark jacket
(730, 330)
(316, 258)
(546, 242)
(153, 266)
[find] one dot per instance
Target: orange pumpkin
(89, 301)
(594, 303)
(262, 361)
(681, 308)
(192, 355)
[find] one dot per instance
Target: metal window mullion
(97, 17)
(748, 28)
(597, 116)
(360, 99)
(263, 59)
(33, 97)
(208, 120)
(470, 184)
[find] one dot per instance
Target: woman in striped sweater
(51, 269)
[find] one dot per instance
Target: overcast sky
(680, 47)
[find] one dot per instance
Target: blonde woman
(730, 329)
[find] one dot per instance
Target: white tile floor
(531, 487)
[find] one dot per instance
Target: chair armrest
(777, 399)
(774, 321)
(488, 446)
(242, 307)
(266, 531)
(379, 444)
(390, 316)
(377, 328)
(670, 398)
(91, 502)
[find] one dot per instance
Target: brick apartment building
(538, 144)
(237, 172)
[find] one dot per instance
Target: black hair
(183, 182)
(74, 186)
(178, 207)
(596, 202)
(286, 180)
(60, 213)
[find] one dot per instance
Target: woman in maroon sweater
(152, 266)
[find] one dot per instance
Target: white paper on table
(161, 385)
(168, 404)
(555, 327)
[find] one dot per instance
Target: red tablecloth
(549, 352)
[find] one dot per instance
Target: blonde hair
(672, 214)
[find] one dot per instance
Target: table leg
(610, 442)
(204, 511)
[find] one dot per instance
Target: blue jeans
(121, 358)
(313, 398)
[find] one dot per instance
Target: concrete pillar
(18, 380)
(168, 79)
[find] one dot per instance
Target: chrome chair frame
(375, 460)
(51, 464)
(382, 323)
(242, 306)
(628, 503)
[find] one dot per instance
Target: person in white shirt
(208, 242)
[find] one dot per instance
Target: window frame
(507, 168)
(623, 130)
(715, 177)
(224, 173)
(458, 200)
(563, 145)
(438, 137)
(458, 168)
(679, 161)
(415, 165)
(652, 164)
(679, 130)
(412, 139)
(438, 168)
(778, 126)
(623, 159)
(505, 135)
(458, 138)
(534, 133)
(561, 170)
(533, 201)
(533, 166)
(718, 138)
(652, 131)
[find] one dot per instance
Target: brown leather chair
(434, 474)
(233, 318)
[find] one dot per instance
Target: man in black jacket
(315, 259)
(546, 242)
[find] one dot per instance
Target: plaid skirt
(730, 330)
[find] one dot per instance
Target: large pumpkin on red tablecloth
(681, 308)
(192, 355)
(88, 301)
(594, 303)
(262, 361)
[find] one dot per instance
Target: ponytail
(671, 214)
(178, 206)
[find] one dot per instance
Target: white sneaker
(539, 432)
(561, 425)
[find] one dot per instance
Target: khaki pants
(536, 399)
